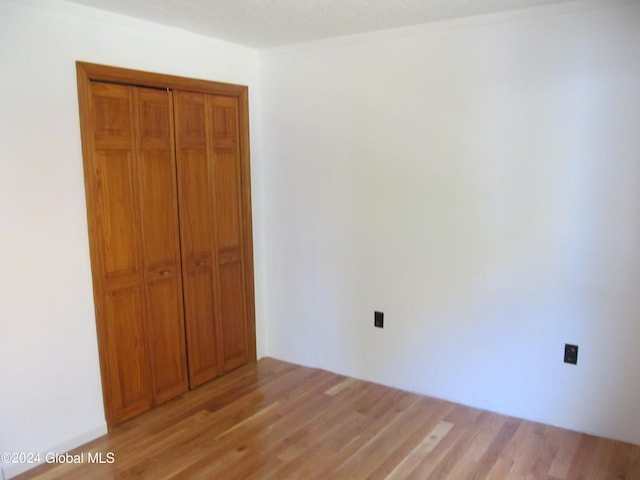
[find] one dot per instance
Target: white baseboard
(8, 471)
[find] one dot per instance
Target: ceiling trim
(477, 21)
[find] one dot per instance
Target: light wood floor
(275, 420)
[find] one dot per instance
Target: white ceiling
(272, 23)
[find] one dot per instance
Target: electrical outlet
(570, 354)
(378, 319)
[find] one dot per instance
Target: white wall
(479, 182)
(50, 393)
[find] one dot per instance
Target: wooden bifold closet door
(208, 150)
(168, 205)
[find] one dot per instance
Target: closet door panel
(127, 353)
(232, 310)
(195, 201)
(224, 131)
(117, 220)
(111, 115)
(159, 210)
(112, 192)
(227, 197)
(166, 336)
(201, 329)
(160, 230)
(113, 185)
(230, 261)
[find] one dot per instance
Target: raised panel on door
(125, 345)
(166, 337)
(225, 153)
(113, 181)
(112, 194)
(161, 247)
(201, 329)
(195, 201)
(232, 309)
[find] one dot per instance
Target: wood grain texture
(197, 233)
(111, 170)
(209, 160)
(275, 420)
(159, 220)
(166, 162)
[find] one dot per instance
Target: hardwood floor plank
(620, 457)
(430, 465)
(491, 455)
(530, 444)
(599, 461)
(275, 420)
(441, 460)
(579, 466)
(302, 407)
(428, 416)
(541, 467)
(384, 443)
(633, 468)
(417, 455)
(330, 435)
(457, 463)
(365, 419)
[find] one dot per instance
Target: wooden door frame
(88, 72)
